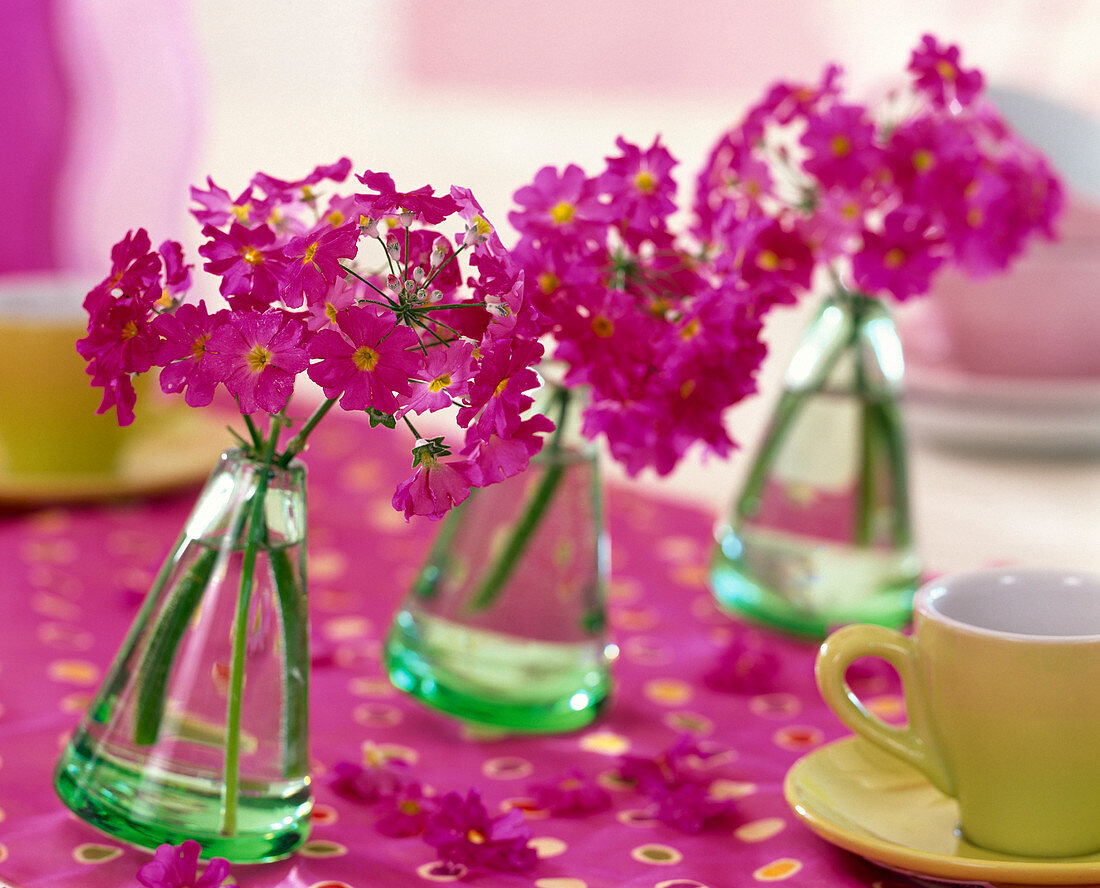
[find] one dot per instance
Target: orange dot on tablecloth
(799, 737)
(667, 691)
(778, 870)
(329, 883)
(79, 672)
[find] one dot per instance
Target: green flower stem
(494, 582)
(295, 650)
(160, 653)
(298, 442)
(257, 533)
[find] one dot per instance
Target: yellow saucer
(862, 799)
(179, 449)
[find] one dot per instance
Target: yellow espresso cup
(48, 422)
(1002, 691)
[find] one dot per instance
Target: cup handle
(910, 743)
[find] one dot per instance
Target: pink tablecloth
(72, 580)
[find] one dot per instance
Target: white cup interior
(1028, 602)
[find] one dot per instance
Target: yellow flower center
(482, 226)
(440, 383)
(894, 258)
(570, 783)
(129, 331)
(365, 358)
(165, 300)
(253, 256)
(602, 327)
(946, 70)
(645, 182)
(548, 282)
(690, 330)
(501, 386)
(841, 146)
(198, 347)
(975, 217)
(311, 250)
(475, 837)
(562, 213)
(922, 159)
(687, 388)
(335, 217)
(331, 311)
(768, 260)
(241, 211)
(409, 807)
(258, 358)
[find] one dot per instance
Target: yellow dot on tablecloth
(556, 882)
(724, 790)
(3, 852)
(678, 549)
(760, 830)
(605, 743)
(327, 565)
(79, 672)
(636, 817)
(647, 651)
(343, 628)
(63, 637)
(75, 703)
(377, 715)
(437, 871)
(658, 855)
(778, 870)
(680, 883)
(623, 591)
(667, 691)
(633, 618)
(548, 846)
(798, 737)
(508, 767)
(690, 574)
(322, 848)
(778, 705)
(371, 686)
(92, 852)
(49, 551)
(691, 722)
(379, 753)
(55, 607)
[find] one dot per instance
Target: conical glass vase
(505, 623)
(200, 729)
(821, 534)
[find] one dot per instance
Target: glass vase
(200, 729)
(505, 622)
(821, 534)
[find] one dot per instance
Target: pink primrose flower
(366, 362)
(369, 783)
(251, 264)
(177, 272)
(258, 355)
(570, 795)
(178, 867)
(497, 391)
(640, 187)
(406, 812)
(443, 378)
(938, 74)
(498, 458)
(900, 259)
(302, 189)
(841, 145)
(182, 349)
(462, 832)
(343, 294)
(565, 204)
(134, 267)
(386, 200)
(436, 486)
(217, 208)
(313, 262)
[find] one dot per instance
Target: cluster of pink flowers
(461, 829)
(663, 344)
(364, 294)
(810, 180)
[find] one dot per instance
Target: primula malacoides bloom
(372, 295)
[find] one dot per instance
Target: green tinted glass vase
(200, 729)
(820, 534)
(505, 623)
